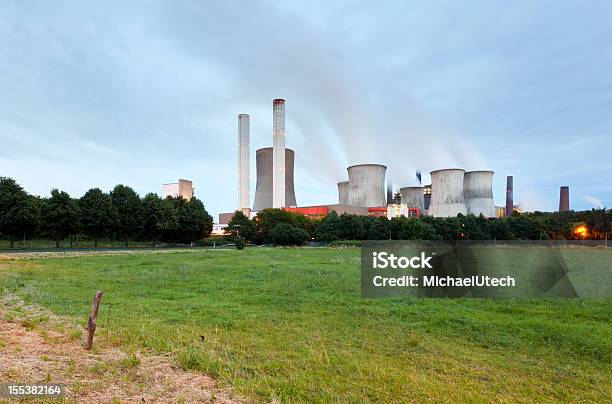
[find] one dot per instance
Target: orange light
(581, 231)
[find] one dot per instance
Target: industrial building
(367, 191)
(367, 185)
(343, 192)
(264, 190)
(413, 197)
(427, 195)
(447, 198)
(244, 161)
(182, 188)
(478, 193)
(279, 155)
(509, 195)
(564, 205)
(320, 211)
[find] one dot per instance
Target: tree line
(280, 227)
(123, 215)
(120, 214)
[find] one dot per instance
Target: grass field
(290, 324)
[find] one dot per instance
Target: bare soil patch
(38, 347)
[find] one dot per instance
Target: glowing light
(581, 231)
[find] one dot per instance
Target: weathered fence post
(93, 316)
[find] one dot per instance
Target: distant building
(182, 188)
(218, 229)
(427, 195)
(320, 211)
(399, 210)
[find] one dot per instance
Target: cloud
(142, 95)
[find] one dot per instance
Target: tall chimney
(509, 195)
(278, 153)
(244, 128)
(564, 199)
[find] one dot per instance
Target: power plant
(452, 191)
(343, 192)
(264, 190)
(413, 197)
(447, 198)
(478, 193)
(367, 185)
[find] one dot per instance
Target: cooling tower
(278, 154)
(447, 198)
(509, 195)
(343, 192)
(263, 189)
(478, 193)
(413, 197)
(367, 185)
(564, 199)
(243, 161)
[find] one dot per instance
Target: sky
(141, 93)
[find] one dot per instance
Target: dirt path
(37, 347)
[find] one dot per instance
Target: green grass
(290, 324)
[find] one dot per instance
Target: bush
(239, 243)
(286, 234)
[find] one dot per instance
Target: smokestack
(564, 199)
(243, 161)
(278, 153)
(509, 195)
(418, 177)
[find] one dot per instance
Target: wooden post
(93, 316)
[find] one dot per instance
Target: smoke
(339, 112)
(596, 202)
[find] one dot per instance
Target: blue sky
(142, 93)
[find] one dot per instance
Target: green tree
(60, 216)
(194, 221)
(129, 210)
(169, 224)
(379, 229)
(500, 230)
(328, 228)
(98, 215)
(286, 234)
(152, 217)
(267, 219)
(240, 226)
(352, 227)
(18, 211)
